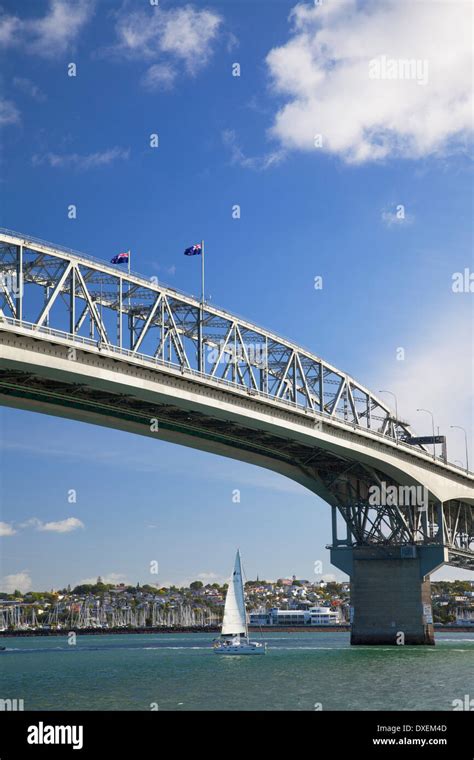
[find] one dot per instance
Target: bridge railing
(110, 349)
(140, 276)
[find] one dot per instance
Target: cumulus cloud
(21, 581)
(6, 529)
(82, 162)
(375, 80)
(49, 35)
(176, 38)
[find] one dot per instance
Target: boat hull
(251, 648)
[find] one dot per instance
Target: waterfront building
(296, 617)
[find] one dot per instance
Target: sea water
(301, 671)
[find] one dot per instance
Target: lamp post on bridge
(396, 412)
(433, 428)
(458, 427)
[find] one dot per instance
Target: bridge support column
(390, 592)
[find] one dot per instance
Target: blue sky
(306, 210)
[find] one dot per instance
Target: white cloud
(160, 76)
(188, 34)
(322, 72)
(6, 529)
(9, 113)
(173, 37)
(257, 163)
(29, 88)
(49, 35)
(21, 581)
(83, 162)
(437, 374)
(61, 526)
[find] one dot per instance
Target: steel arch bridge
(82, 339)
(97, 303)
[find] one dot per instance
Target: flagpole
(130, 317)
(201, 325)
(202, 273)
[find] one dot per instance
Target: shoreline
(211, 629)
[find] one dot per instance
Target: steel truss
(398, 521)
(52, 287)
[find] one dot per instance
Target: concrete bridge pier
(390, 591)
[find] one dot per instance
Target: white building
(324, 616)
(312, 616)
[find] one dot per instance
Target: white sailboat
(234, 637)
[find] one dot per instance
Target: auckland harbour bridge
(80, 338)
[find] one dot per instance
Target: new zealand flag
(194, 250)
(120, 258)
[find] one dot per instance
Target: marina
(92, 615)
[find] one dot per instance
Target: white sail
(234, 611)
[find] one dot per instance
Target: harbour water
(302, 671)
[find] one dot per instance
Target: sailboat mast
(243, 593)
